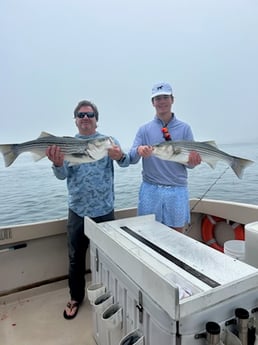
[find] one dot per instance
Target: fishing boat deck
(36, 317)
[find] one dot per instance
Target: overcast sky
(55, 53)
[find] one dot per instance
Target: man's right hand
(55, 155)
(145, 150)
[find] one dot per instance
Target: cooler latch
(140, 307)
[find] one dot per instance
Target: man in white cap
(163, 190)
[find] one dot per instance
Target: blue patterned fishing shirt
(90, 185)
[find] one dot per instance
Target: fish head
(98, 148)
(164, 150)
(103, 143)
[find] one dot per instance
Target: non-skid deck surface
(38, 319)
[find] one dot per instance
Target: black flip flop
(71, 305)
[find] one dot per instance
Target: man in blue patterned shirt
(90, 193)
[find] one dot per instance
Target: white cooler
(251, 244)
(167, 284)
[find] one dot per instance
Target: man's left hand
(194, 159)
(115, 153)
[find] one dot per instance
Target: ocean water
(29, 191)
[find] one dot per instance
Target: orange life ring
(208, 231)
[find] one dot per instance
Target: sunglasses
(166, 134)
(90, 115)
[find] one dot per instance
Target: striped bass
(178, 151)
(76, 151)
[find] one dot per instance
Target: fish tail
(239, 164)
(10, 153)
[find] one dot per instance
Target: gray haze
(55, 53)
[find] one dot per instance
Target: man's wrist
(122, 158)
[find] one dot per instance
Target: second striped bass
(178, 151)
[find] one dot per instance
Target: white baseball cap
(161, 89)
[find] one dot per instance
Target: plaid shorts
(170, 204)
